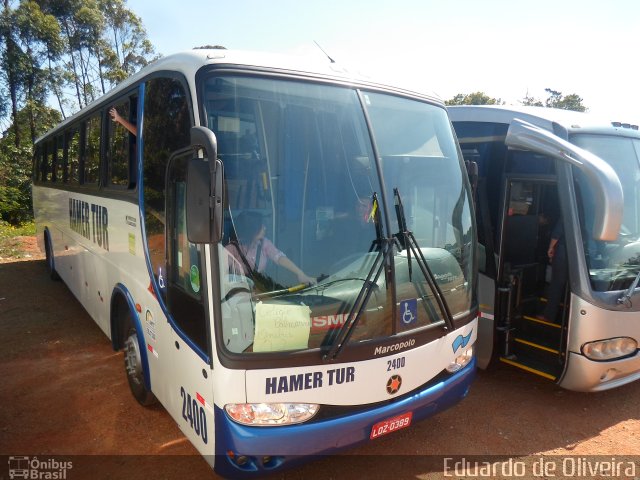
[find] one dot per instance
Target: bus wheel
(49, 258)
(133, 368)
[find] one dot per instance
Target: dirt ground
(64, 395)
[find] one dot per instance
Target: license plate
(391, 425)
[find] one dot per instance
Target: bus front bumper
(243, 451)
(585, 375)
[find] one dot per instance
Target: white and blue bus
(558, 209)
(285, 252)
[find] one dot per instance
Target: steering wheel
(234, 291)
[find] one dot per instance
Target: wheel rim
(132, 360)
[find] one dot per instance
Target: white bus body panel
(361, 382)
(92, 273)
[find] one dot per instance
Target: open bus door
(531, 204)
(526, 338)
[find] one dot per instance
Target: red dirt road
(63, 392)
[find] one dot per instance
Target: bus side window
(121, 146)
(166, 128)
(73, 156)
(59, 170)
(37, 163)
(184, 289)
(49, 172)
(91, 168)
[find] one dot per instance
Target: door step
(531, 365)
(541, 322)
(537, 346)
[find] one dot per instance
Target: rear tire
(134, 369)
(51, 269)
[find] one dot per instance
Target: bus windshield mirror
(408, 241)
(625, 299)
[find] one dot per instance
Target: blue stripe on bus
(138, 326)
(290, 445)
(152, 278)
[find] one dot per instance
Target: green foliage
(556, 100)
(16, 163)
(10, 245)
(70, 50)
(475, 98)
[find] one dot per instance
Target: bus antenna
(322, 50)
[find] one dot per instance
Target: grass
(10, 244)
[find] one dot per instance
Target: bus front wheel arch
(125, 338)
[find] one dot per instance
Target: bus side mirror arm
(602, 178)
(204, 190)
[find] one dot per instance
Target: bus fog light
(461, 361)
(610, 349)
(264, 414)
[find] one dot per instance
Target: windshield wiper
(384, 246)
(625, 299)
(408, 241)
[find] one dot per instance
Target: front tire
(133, 369)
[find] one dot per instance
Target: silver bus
(558, 209)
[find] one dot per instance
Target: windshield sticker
(281, 327)
(408, 312)
(309, 380)
(461, 341)
(324, 323)
(194, 276)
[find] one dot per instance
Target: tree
(16, 161)
(476, 98)
(68, 50)
(556, 100)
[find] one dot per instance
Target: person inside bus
(557, 254)
(253, 250)
(116, 117)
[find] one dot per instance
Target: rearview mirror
(602, 178)
(204, 190)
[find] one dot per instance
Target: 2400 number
(193, 413)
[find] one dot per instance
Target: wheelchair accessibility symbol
(409, 311)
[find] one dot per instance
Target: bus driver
(253, 249)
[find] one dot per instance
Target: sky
(507, 49)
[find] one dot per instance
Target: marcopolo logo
(381, 350)
(34, 468)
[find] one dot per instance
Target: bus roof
(189, 62)
(548, 118)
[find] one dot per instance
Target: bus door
(187, 362)
(529, 337)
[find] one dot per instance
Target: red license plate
(391, 425)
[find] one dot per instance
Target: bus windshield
(612, 265)
(305, 218)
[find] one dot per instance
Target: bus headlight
(264, 414)
(461, 360)
(609, 349)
